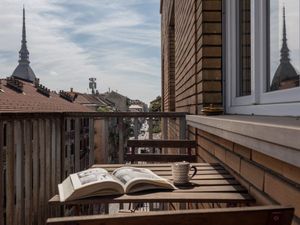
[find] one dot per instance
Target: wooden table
(212, 184)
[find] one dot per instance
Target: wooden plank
(53, 157)
(169, 172)
(162, 143)
(10, 174)
(168, 169)
(91, 142)
(156, 165)
(1, 173)
(47, 163)
(136, 133)
(159, 158)
(19, 172)
(59, 151)
(35, 170)
(42, 169)
(263, 215)
(163, 196)
(121, 141)
(28, 170)
(77, 145)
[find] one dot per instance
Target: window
(262, 57)
(244, 48)
(284, 44)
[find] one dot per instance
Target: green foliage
(155, 105)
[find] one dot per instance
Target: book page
(90, 177)
(128, 174)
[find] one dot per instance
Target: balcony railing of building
(39, 150)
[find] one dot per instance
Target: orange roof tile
(32, 101)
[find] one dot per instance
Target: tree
(155, 105)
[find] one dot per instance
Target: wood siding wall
(35, 156)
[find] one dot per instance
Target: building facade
(242, 56)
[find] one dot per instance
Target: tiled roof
(32, 101)
(96, 99)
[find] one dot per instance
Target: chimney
(36, 82)
(71, 90)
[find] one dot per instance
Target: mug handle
(195, 171)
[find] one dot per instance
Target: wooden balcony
(39, 150)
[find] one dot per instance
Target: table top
(211, 184)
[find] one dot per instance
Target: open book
(98, 182)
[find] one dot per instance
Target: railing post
(10, 173)
(136, 133)
(182, 128)
(150, 129)
(182, 134)
(91, 141)
(165, 128)
(77, 145)
(121, 140)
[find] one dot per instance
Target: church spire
(24, 53)
(23, 70)
(285, 52)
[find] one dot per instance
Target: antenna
(92, 84)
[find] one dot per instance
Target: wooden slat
(154, 166)
(167, 196)
(19, 171)
(53, 157)
(42, 169)
(28, 170)
(200, 172)
(47, 163)
(1, 174)
(121, 140)
(159, 158)
(59, 150)
(264, 215)
(10, 174)
(162, 143)
(35, 171)
(91, 142)
(77, 145)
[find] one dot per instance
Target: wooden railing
(181, 150)
(38, 150)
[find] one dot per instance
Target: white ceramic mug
(180, 172)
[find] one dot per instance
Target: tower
(285, 75)
(23, 70)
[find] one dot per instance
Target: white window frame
(260, 102)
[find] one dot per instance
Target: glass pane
(284, 44)
(244, 39)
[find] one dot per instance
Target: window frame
(276, 103)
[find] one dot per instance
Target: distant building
(139, 103)
(23, 70)
(95, 102)
(286, 75)
(136, 108)
(121, 102)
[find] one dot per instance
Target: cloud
(116, 41)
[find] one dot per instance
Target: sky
(115, 41)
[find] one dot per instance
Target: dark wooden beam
(162, 143)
